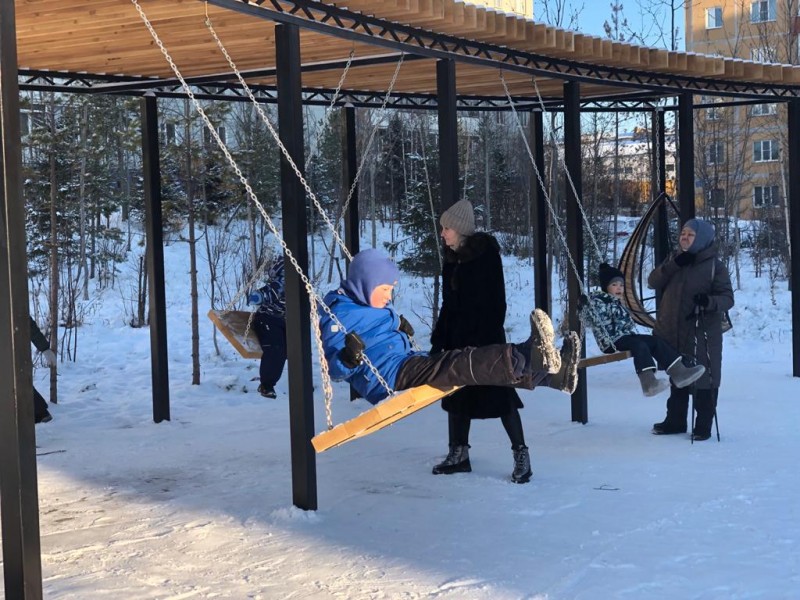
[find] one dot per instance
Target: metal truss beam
(342, 23)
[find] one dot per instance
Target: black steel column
(349, 169)
(448, 132)
(686, 156)
(572, 159)
(19, 500)
(659, 186)
(154, 234)
(295, 234)
(794, 228)
(539, 214)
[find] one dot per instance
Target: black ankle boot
(457, 461)
(668, 427)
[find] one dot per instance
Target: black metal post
(295, 234)
(794, 228)
(686, 156)
(153, 227)
(350, 168)
(349, 171)
(572, 159)
(19, 500)
(448, 132)
(539, 214)
(661, 231)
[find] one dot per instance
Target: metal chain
(250, 193)
(277, 139)
(558, 227)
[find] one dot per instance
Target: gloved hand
(49, 358)
(684, 258)
(406, 327)
(352, 354)
(255, 298)
(701, 300)
(583, 301)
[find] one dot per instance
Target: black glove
(406, 327)
(701, 300)
(684, 258)
(352, 354)
(583, 301)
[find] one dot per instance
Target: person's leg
(640, 352)
(271, 332)
(643, 362)
(705, 406)
(512, 423)
(677, 411)
(41, 413)
(522, 459)
(457, 459)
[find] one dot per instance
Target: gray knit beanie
(460, 218)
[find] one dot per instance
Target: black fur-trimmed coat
(473, 314)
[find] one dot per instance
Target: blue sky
(592, 14)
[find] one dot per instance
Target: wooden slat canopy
(108, 37)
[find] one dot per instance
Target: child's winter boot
(651, 385)
(566, 380)
(683, 376)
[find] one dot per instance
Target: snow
(201, 506)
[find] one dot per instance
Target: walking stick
(701, 321)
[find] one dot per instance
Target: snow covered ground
(201, 507)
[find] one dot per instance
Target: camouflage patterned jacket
(608, 319)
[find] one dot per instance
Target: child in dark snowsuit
(269, 325)
(614, 330)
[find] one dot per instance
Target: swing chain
(250, 193)
(559, 229)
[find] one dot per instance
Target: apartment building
(739, 151)
(519, 7)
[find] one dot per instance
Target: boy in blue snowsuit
(614, 330)
(362, 304)
(269, 325)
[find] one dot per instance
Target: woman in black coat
(695, 291)
(473, 314)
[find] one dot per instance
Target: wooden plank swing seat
(382, 415)
(232, 324)
(602, 359)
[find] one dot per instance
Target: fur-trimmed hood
(473, 246)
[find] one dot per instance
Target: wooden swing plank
(603, 359)
(232, 324)
(380, 416)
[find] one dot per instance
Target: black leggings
(458, 428)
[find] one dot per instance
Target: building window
(762, 11)
(208, 139)
(714, 17)
(169, 133)
(760, 110)
(716, 198)
(765, 151)
(765, 54)
(765, 195)
(715, 154)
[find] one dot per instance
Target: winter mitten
(701, 300)
(406, 327)
(352, 355)
(49, 358)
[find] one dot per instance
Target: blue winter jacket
(608, 318)
(385, 345)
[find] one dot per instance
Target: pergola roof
(105, 41)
